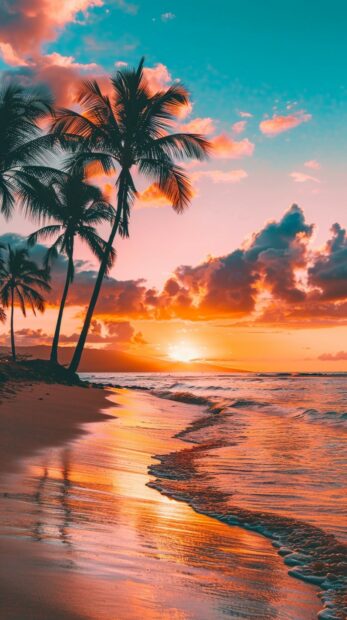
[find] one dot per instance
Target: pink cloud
(221, 176)
(278, 124)
(58, 60)
(245, 114)
(301, 177)
(64, 78)
(158, 77)
(199, 125)
(26, 24)
(10, 57)
(312, 164)
(225, 147)
(239, 127)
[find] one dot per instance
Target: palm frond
(43, 233)
(181, 146)
(7, 200)
(171, 180)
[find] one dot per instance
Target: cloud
(302, 177)
(313, 164)
(225, 147)
(158, 77)
(26, 24)
(199, 125)
(10, 57)
(239, 127)
(166, 17)
(59, 60)
(229, 286)
(274, 278)
(329, 269)
(333, 357)
(278, 124)
(245, 114)
(152, 197)
(221, 176)
(106, 334)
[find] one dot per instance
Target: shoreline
(84, 407)
(311, 554)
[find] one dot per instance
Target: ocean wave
(184, 397)
(319, 398)
(215, 405)
(332, 417)
(311, 554)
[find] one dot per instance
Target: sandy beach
(83, 536)
(38, 415)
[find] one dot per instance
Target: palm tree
(129, 129)
(21, 281)
(21, 145)
(77, 208)
(2, 312)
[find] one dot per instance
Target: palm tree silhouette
(78, 207)
(2, 311)
(21, 145)
(21, 280)
(131, 128)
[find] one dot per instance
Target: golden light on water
(183, 352)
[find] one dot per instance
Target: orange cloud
(199, 125)
(301, 177)
(333, 357)
(278, 124)
(274, 278)
(152, 197)
(225, 147)
(221, 176)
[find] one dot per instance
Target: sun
(183, 352)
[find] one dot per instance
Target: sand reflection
(119, 549)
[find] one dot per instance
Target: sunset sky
(243, 278)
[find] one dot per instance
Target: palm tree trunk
(55, 343)
(13, 346)
(122, 192)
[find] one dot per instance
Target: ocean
(269, 452)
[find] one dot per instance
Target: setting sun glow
(183, 352)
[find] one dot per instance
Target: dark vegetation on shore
(24, 370)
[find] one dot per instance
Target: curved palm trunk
(122, 192)
(13, 346)
(55, 343)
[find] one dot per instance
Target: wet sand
(82, 536)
